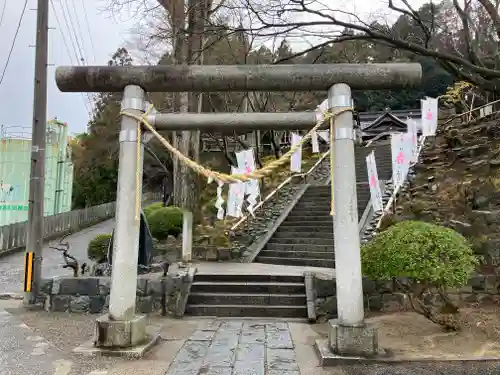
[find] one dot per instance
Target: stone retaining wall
(91, 294)
(387, 297)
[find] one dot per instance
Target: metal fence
(13, 236)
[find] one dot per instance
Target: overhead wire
(79, 29)
(3, 11)
(89, 30)
(76, 50)
(75, 34)
(13, 41)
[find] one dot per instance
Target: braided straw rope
(223, 177)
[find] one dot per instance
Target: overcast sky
(16, 89)
(106, 33)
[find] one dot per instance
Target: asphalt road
(12, 266)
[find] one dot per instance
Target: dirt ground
(410, 335)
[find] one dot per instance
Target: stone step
(246, 299)
(262, 278)
(323, 223)
(301, 240)
(247, 287)
(253, 311)
(300, 228)
(310, 215)
(287, 233)
(305, 262)
(305, 253)
(285, 247)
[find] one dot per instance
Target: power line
(88, 29)
(79, 28)
(3, 11)
(69, 30)
(75, 34)
(60, 30)
(78, 60)
(14, 41)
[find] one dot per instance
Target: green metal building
(15, 164)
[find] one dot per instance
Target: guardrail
(395, 193)
(13, 236)
(280, 186)
(469, 113)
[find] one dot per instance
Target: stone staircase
(383, 159)
(244, 295)
(305, 238)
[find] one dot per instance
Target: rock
(326, 306)
(495, 163)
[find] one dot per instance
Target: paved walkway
(12, 266)
(237, 348)
(22, 351)
(37, 343)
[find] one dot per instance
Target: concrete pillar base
(120, 333)
(353, 341)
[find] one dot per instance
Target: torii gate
(122, 328)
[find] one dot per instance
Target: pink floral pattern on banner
(400, 159)
(429, 115)
(373, 181)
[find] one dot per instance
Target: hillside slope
(457, 184)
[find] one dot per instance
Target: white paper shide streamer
(401, 155)
(296, 159)
(236, 195)
(324, 135)
(246, 163)
(315, 142)
(375, 191)
(320, 116)
(220, 201)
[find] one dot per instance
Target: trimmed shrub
(428, 256)
(148, 210)
(165, 221)
(97, 249)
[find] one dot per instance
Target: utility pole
(34, 234)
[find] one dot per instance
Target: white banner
(246, 162)
(236, 195)
(412, 129)
(296, 159)
(488, 110)
(401, 155)
(375, 191)
(429, 107)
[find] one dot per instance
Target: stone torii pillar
(349, 335)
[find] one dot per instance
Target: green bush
(428, 255)
(148, 210)
(165, 221)
(98, 247)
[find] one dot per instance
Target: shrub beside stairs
(305, 238)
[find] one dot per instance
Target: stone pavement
(235, 347)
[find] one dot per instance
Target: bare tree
(464, 37)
